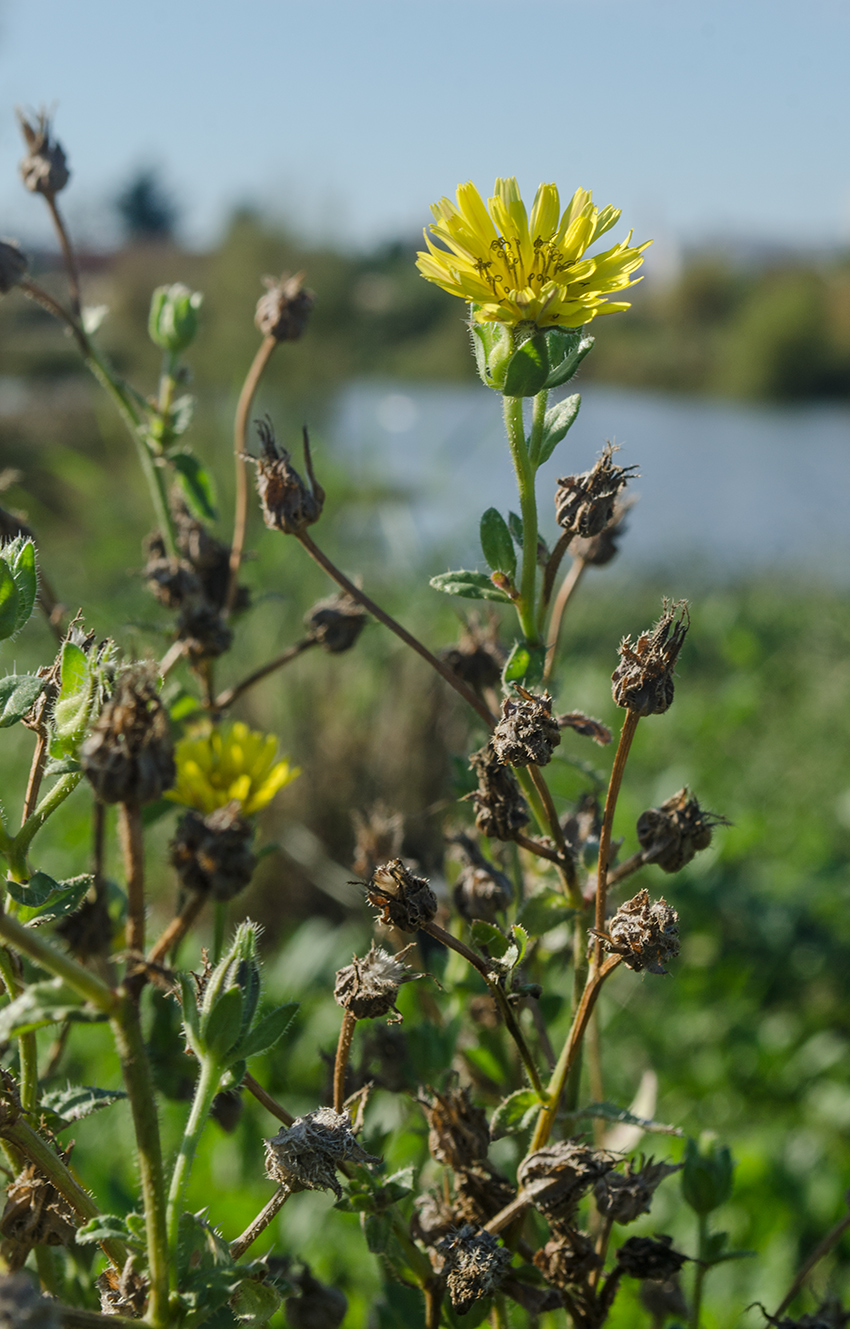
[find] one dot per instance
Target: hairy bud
(645, 933)
(500, 809)
(129, 756)
(368, 988)
(473, 1265)
(44, 170)
(405, 901)
(287, 503)
(527, 733)
(124, 1292)
(336, 622)
(283, 311)
(305, 1155)
(35, 1214)
(13, 265)
(585, 504)
(212, 854)
(643, 680)
(673, 834)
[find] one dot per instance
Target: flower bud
(173, 318)
(493, 347)
(643, 680)
(305, 1155)
(624, 1197)
(585, 503)
(555, 1178)
(44, 170)
(527, 733)
(368, 988)
(673, 834)
(336, 622)
(647, 1257)
(317, 1306)
(500, 809)
(22, 1307)
(706, 1174)
(283, 311)
(212, 854)
(473, 1265)
(458, 1134)
(287, 504)
(645, 933)
(405, 901)
(129, 757)
(13, 265)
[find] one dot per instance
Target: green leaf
(71, 711)
(565, 368)
(254, 1302)
(621, 1116)
(377, 1229)
(62, 766)
(62, 897)
(20, 557)
(525, 664)
(497, 544)
(543, 911)
(108, 1227)
(196, 484)
(528, 368)
(76, 1101)
(51, 1002)
(515, 528)
(268, 1031)
(469, 585)
(35, 892)
(558, 419)
(189, 1002)
(18, 693)
(515, 1113)
(9, 601)
(221, 1027)
(504, 952)
(182, 412)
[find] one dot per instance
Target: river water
(724, 489)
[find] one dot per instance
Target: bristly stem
(627, 733)
(528, 509)
(409, 640)
(54, 798)
(176, 930)
(229, 696)
(133, 850)
(260, 1223)
(206, 1088)
(343, 1048)
(39, 758)
(702, 1270)
(27, 941)
(11, 974)
(240, 443)
(270, 1104)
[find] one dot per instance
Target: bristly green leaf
(35, 892)
(525, 665)
(469, 585)
(50, 1002)
(76, 1101)
(528, 368)
(220, 1028)
(515, 528)
(254, 1302)
(196, 484)
(497, 544)
(9, 601)
(504, 952)
(558, 420)
(71, 711)
(108, 1227)
(43, 899)
(19, 555)
(18, 694)
(573, 352)
(268, 1031)
(515, 1113)
(621, 1116)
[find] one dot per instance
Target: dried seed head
(317, 1306)
(124, 1293)
(35, 1214)
(405, 901)
(208, 556)
(473, 1265)
(22, 1307)
(305, 1155)
(527, 733)
(648, 1257)
(88, 931)
(458, 1134)
(13, 265)
(585, 504)
(336, 622)
(624, 1197)
(212, 854)
(378, 833)
(203, 632)
(568, 1257)
(368, 988)
(283, 311)
(287, 503)
(478, 657)
(643, 680)
(645, 933)
(673, 834)
(128, 755)
(172, 581)
(44, 170)
(481, 1193)
(599, 550)
(433, 1218)
(482, 892)
(500, 809)
(554, 1179)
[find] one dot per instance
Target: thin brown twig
(567, 866)
(240, 442)
(343, 1048)
(39, 759)
(133, 850)
(568, 586)
(541, 850)
(621, 756)
(260, 1223)
(177, 928)
(229, 696)
(270, 1104)
(626, 868)
(825, 1246)
(71, 266)
(553, 563)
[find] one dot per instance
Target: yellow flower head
(231, 761)
(517, 269)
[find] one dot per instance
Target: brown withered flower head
(623, 1197)
(287, 503)
(568, 1256)
(378, 834)
(473, 1265)
(405, 901)
(585, 504)
(129, 757)
(481, 1192)
(643, 680)
(673, 834)
(124, 1292)
(203, 632)
(172, 581)
(477, 658)
(305, 1155)
(317, 1306)
(13, 265)
(212, 854)
(481, 890)
(648, 1257)
(23, 1307)
(645, 932)
(501, 812)
(35, 1214)
(336, 622)
(283, 311)
(527, 733)
(44, 170)
(433, 1217)
(368, 988)
(598, 551)
(458, 1134)
(555, 1178)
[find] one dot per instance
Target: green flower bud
(706, 1174)
(173, 320)
(230, 997)
(493, 346)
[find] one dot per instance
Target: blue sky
(698, 117)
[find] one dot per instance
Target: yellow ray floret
(215, 766)
(517, 268)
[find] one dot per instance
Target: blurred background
(214, 143)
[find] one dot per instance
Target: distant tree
(146, 208)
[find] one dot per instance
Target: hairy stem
(260, 1223)
(228, 697)
(27, 941)
(133, 850)
(568, 586)
(68, 255)
(528, 510)
(206, 1088)
(240, 444)
(39, 759)
(270, 1104)
(621, 756)
(343, 1048)
(65, 785)
(177, 928)
(71, 1317)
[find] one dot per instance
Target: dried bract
(500, 809)
(35, 1214)
(673, 834)
(336, 622)
(405, 901)
(317, 1306)
(648, 1257)
(172, 581)
(473, 1265)
(305, 1155)
(527, 733)
(584, 504)
(287, 503)
(568, 1257)
(458, 1134)
(645, 933)
(482, 892)
(555, 1178)
(13, 265)
(22, 1307)
(643, 680)
(586, 726)
(212, 854)
(368, 988)
(44, 170)
(599, 550)
(623, 1197)
(123, 1293)
(283, 311)
(129, 756)
(481, 1193)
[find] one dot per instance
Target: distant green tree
(146, 208)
